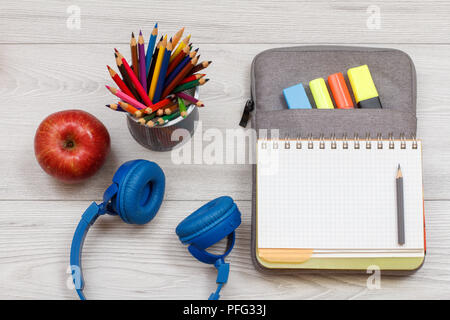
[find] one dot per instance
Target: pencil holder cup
(159, 138)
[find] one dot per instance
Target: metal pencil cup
(159, 138)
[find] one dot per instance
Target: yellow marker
(162, 50)
(366, 94)
(320, 93)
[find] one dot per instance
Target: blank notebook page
(337, 198)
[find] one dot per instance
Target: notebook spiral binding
(357, 142)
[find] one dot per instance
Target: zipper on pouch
(249, 107)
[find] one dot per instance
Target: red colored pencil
(193, 78)
(187, 68)
(119, 81)
(136, 83)
(161, 104)
(126, 98)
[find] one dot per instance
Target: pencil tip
(209, 62)
(156, 25)
(116, 50)
(196, 50)
(140, 32)
(109, 68)
(132, 34)
(398, 168)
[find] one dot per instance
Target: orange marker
(340, 91)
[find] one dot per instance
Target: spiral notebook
(332, 204)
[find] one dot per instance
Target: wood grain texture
(59, 82)
(233, 21)
(45, 67)
(148, 262)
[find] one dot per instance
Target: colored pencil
(200, 66)
(169, 109)
(115, 107)
(183, 44)
(126, 98)
(191, 99)
(180, 76)
(130, 109)
(164, 119)
(182, 106)
(161, 104)
(126, 78)
(162, 73)
(177, 37)
(189, 85)
(400, 207)
(150, 47)
(147, 118)
(193, 77)
(177, 60)
(141, 91)
(134, 55)
(122, 86)
(180, 67)
(142, 66)
(152, 66)
(159, 60)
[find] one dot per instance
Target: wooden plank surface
(233, 21)
(46, 66)
(148, 262)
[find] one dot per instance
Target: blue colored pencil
(150, 47)
(162, 73)
(179, 67)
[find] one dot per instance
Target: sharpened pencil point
(140, 32)
(132, 34)
(196, 50)
(156, 25)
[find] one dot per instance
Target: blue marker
(296, 97)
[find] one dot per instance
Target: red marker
(340, 91)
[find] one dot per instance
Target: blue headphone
(136, 195)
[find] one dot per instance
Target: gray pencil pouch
(273, 70)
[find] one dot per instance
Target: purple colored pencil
(189, 98)
(142, 65)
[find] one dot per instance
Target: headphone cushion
(141, 191)
(216, 219)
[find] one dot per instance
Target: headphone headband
(136, 196)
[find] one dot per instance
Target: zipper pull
(249, 107)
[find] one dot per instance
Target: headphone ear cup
(141, 186)
(210, 223)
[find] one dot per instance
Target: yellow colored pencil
(159, 59)
(180, 47)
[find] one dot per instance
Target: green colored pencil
(190, 85)
(182, 107)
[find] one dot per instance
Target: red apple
(71, 145)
